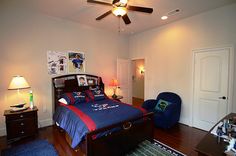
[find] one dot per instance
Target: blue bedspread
(79, 119)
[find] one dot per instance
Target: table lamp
(114, 84)
(17, 83)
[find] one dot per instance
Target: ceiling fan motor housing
(120, 9)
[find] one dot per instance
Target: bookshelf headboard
(71, 83)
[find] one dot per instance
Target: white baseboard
(3, 131)
(45, 123)
(184, 121)
(41, 123)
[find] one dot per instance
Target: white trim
(3, 132)
(230, 79)
(184, 121)
(145, 74)
(45, 123)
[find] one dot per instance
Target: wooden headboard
(69, 83)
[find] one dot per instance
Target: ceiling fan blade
(126, 19)
(140, 9)
(115, 1)
(99, 2)
(104, 15)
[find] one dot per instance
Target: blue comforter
(79, 119)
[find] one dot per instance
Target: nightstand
(118, 98)
(21, 124)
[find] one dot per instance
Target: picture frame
(82, 80)
(56, 62)
(76, 62)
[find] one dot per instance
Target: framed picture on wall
(57, 62)
(76, 62)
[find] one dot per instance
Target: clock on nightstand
(21, 124)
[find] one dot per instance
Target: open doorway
(137, 67)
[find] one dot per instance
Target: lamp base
(114, 96)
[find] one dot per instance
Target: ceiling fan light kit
(120, 9)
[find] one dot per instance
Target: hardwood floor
(180, 137)
(137, 101)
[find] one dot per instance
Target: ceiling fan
(120, 9)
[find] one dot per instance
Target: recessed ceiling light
(164, 17)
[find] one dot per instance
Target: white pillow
(62, 100)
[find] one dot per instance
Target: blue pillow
(98, 94)
(161, 105)
(74, 97)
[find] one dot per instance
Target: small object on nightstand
(117, 98)
(31, 100)
(18, 105)
(16, 109)
(21, 124)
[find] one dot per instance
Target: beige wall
(168, 51)
(137, 79)
(26, 36)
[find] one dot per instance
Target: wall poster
(57, 62)
(76, 62)
(65, 62)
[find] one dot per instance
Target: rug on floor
(34, 148)
(155, 148)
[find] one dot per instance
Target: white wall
(168, 51)
(25, 37)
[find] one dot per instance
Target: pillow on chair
(161, 105)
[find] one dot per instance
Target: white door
(124, 79)
(210, 87)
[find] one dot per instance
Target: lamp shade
(114, 83)
(18, 82)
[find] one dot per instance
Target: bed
(98, 125)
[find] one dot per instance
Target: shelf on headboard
(69, 83)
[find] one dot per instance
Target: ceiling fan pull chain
(119, 25)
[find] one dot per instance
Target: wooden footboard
(122, 141)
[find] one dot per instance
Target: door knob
(223, 97)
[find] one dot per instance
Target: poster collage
(65, 62)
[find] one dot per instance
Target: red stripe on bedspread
(84, 117)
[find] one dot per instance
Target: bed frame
(116, 143)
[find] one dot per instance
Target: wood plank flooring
(180, 137)
(137, 101)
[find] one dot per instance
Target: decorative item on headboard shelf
(114, 84)
(17, 83)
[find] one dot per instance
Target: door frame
(129, 81)
(230, 78)
(145, 75)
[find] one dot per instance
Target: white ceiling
(85, 13)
